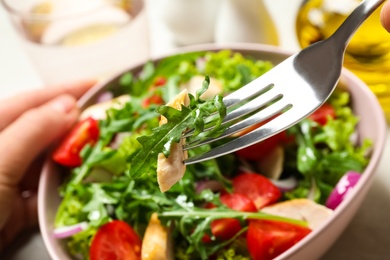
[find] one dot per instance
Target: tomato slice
(68, 152)
(257, 188)
(322, 114)
(160, 81)
(155, 98)
(238, 202)
(224, 229)
(267, 239)
(115, 240)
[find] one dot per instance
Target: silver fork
(289, 92)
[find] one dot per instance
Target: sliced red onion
(342, 189)
(105, 96)
(213, 185)
(287, 184)
(64, 232)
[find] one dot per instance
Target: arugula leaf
(162, 138)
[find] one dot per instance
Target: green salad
(128, 195)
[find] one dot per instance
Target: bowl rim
(367, 175)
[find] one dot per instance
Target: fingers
(30, 134)
(23, 214)
(12, 108)
(385, 16)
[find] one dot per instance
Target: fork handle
(344, 33)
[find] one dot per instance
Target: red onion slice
(67, 231)
(105, 96)
(342, 189)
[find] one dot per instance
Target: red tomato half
(257, 188)
(68, 152)
(115, 240)
(267, 239)
(226, 228)
(322, 114)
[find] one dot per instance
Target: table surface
(367, 236)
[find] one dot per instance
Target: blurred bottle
(368, 53)
(245, 21)
(188, 21)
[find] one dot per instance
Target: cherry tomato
(68, 152)
(257, 188)
(322, 114)
(267, 239)
(160, 81)
(115, 240)
(238, 202)
(224, 229)
(153, 99)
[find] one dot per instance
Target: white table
(368, 235)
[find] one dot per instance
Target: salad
(127, 194)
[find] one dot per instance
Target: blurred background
(34, 54)
(160, 29)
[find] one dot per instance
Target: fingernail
(64, 103)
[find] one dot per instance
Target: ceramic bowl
(372, 125)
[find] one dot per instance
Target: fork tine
(250, 90)
(270, 95)
(258, 87)
(276, 125)
(268, 112)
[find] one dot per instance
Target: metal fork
(289, 92)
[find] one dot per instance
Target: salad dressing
(367, 54)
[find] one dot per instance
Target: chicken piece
(170, 170)
(98, 111)
(272, 164)
(196, 82)
(157, 243)
(301, 209)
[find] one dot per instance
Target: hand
(385, 16)
(29, 123)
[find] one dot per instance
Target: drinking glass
(368, 53)
(70, 40)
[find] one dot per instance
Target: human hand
(29, 123)
(385, 16)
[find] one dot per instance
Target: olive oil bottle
(368, 53)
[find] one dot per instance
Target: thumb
(385, 16)
(23, 140)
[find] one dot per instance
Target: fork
(289, 92)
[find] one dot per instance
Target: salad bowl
(371, 126)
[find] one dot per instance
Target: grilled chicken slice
(170, 170)
(157, 243)
(98, 111)
(301, 209)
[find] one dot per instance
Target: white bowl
(372, 125)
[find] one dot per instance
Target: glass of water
(70, 40)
